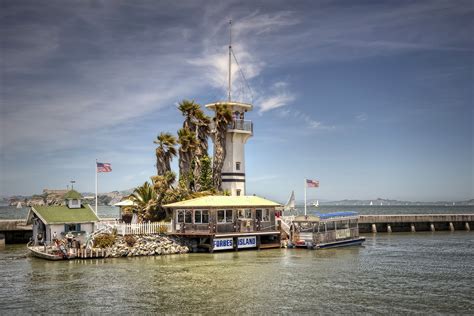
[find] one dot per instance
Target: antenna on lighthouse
(230, 59)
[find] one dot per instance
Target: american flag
(312, 183)
(104, 167)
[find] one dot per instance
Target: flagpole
(305, 184)
(96, 185)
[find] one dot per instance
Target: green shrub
(104, 240)
(130, 240)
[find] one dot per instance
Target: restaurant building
(227, 222)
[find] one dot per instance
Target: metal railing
(136, 229)
(240, 125)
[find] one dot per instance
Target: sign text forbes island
(228, 243)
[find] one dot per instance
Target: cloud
(362, 117)
(275, 102)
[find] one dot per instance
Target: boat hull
(342, 243)
(35, 251)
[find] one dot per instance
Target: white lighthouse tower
(238, 132)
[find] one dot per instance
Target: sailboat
(371, 203)
(290, 205)
(19, 205)
(316, 204)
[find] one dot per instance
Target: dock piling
(451, 226)
(374, 228)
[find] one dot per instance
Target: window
(238, 192)
(342, 225)
(329, 226)
(188, 217)
(263, 215)
(201, 217)
(74, 202)
(184, 216)
(322, 229)
(353, 223)
(72, 228)
(180, 216)
(245, 213)
(237, 165)
(224, 216)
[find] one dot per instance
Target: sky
(371, 98)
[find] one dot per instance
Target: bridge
(415, 222)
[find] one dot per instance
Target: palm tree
(222, 119)
(164, 152)
(188, 109)
(146, 200)
(202, 133)
(188, 143)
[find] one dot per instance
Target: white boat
(19, 205)
(290, 205)
(316, 204)
(371, 204)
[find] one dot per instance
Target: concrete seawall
(15, 231)
(415, 222)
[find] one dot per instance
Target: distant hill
(386, 202)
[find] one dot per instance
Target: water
(397, 273)
(391, 209)
(11, 212)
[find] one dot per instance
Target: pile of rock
(148, 245)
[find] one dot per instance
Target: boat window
(343, 225)
(306, 227)
(201, 216)
(245, 213)
(329, 226)
(353, 223)
(322, 228)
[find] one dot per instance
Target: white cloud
(362, 117)
(275, 102)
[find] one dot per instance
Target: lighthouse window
(237, 165)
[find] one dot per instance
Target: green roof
(224, 201)
(64, 214)
(73, 195)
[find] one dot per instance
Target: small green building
(74, 217)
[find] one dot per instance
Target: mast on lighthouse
(237, 134)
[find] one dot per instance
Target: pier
(415, 222)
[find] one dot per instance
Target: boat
(325, 230)
(44, 252)
(19, 205)
(316, 204)
(371, 203)
(290, 204)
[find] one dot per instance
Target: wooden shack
(227, 222)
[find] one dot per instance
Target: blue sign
(223, 243)
(247, 242)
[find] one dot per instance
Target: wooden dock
(415, 222)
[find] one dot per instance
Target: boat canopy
(337, 214)
(326, 216)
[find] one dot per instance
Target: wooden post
(374, 228)
(389, 228)
(413, 230)
(432, 228)
(451, 226)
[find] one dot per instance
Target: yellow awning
(224, 201)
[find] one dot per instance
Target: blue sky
(372, 98)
